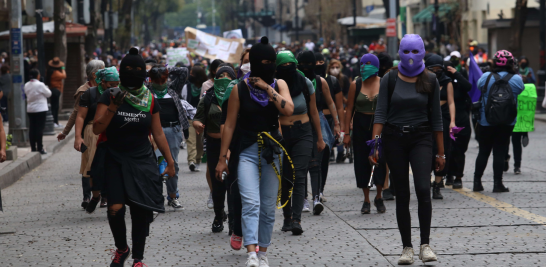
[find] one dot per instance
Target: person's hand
(451, 125)
(78, 143)
(257, 82)
(169, 170)
(220, 168)
(3, 155)
(199, 128)
(61, 137)
(451, 69)
(347, 141)
(440, 163)
(336, 130)
(321, 145)
(117, 99)
(374, 159)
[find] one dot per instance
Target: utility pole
(392, 42)
(542, 72)
(17, 112)
(354, 21)
(296, 22)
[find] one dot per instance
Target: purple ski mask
(411, 64)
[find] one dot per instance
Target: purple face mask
(411, 64)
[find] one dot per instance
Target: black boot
(436, 194)
(498, 187)
(478, 187)
(458, 183)
(340, 157)
(287, 225)
(449, 180)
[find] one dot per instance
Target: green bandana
(194, 90)
(314, 81)
(229, 88)
(285, 57)
(139, 98)
(108, 75)
(220, 87)
(524, 71)
(160, 90)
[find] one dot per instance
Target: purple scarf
(258, 95)
(455, 130)
(371, 144)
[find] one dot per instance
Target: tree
(517, 27)
(59, 36)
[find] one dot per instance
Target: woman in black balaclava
(255, 104)
(435, 64)
(124, 119)
(306, 64)
(385, 63)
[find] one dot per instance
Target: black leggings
(235, 206)
(298, 142)
(401, 150)
(496, 138)
(516, 145)
(36, 130)
(218, 187)
(55, 98)
(362, 132)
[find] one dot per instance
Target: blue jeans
(258, 197)
(174, 138)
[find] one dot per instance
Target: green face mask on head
(368, 70)
(220, 87)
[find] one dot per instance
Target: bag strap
(357, 89)
(393, 77)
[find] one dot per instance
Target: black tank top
(252, 116)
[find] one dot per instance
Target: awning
(348, 21)
(426, 14)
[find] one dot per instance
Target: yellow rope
(260, 146)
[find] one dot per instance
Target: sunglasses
(412, 51)
(156, 71)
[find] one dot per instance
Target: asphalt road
(43, 225)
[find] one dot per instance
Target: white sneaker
(373, 188)
(317, 207)
(197, 168)
(175, 203)
(253, 261)
(306, 207)
(192, 166)
(210, 203)
(264, 262)
(407, 256)
(426, 254)
(322, 198)
(183, 145)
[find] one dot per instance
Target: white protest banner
(213, 47)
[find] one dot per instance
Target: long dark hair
(422, 85)
(199, 74)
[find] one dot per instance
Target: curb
(540, 119)
(14, 171)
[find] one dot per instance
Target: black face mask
(264, 71)
(439, 74)
(308, 71)
(132, 78)
(192, 79)
(524, 65)
(320, 70)
(287, 73)
(455, 62)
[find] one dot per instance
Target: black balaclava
(449, 74)
(262, 51)
(307, 57)
(385, 63)
(320, 69)
(436, 60)
(132, 78)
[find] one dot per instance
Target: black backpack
(501, 107)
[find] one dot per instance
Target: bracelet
(377, 136)
(440, 157)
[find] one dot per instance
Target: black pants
(86, 188)
(457, 158)
(362, 132)
(446, 120)
(326, 155)
(218, 187)
(140, 217)
(55, 97)
(496, 138)
(401, 150)
(516, 145)
(36, 130)
(315, 168)
(235, 206)
(298, 142)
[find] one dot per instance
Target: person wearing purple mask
(408, 115)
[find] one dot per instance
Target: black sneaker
(296, 228)
(516, 171)
(192, 166)
(217, 226)
(449, 180)
(43, 152)
(340, 158)
(457, 184)
(507, 163)
(387, 194)
(287, 225)
(84, 203)
(436, 194)
(378, 203)
(92, 205)
(365, 208)
(119, 257)
(478, 187)
(500, 188)
(103, 202)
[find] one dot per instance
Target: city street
(43, 224)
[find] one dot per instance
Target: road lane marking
(502, 205)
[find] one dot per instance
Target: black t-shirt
(168, 112)
(89, 100)
(130, 127)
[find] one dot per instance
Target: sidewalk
(11, 171)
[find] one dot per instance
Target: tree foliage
(187, 16)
